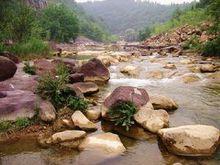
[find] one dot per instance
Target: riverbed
(199, 103)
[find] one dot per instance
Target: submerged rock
(87, 88)
(191, 140)
(18, 104)
(129, 70)
(156, 74)
(170, 66)
(152, 120)
(80, 120)
(190, 78)
(207, 68)
(163, 102)
(8, 68)
(95, 71)
(47, 111)
(109, 143)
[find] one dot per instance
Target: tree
(144, 34)
(59, 23)
(18, 21)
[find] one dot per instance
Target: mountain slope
(119, 15)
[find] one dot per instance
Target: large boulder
(138, 96)
(163, 102)
(191, 140)
(207, 68)
(44, 66)
(152, 120)
(87, 88)
(94, 70)
(10, 56)
(80, 120)
(109, 143)
(47, 111)
(8, 68)
(18, 104)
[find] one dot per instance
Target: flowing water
(199, 103)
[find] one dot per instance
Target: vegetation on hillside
(120, 15)
(203, 11)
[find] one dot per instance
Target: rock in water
(190, 78)
(191, 140)
(129, 70)
(163, 102)
(95, 71)
(18, 104)
(7, 68)
(47, 111)
(66, 136)
(138, 96)
(108, 142)
(80, 120)
(87, 88)
(207, 68)
(152, 120)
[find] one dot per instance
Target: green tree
(59, 23)
(144, 34)
(18, 21)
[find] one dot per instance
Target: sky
(159, 1)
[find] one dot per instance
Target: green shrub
(193, 44)
(22, 122)
(53, 88)
(29, 69)
(122, 114)
(212, 48)
(5, 125)
(30, 47)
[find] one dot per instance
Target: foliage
(31, 46)
(53, 88)
(22, 122)
(214, 10)
(18, 21)
(144, 34)
(119, 15)
(212, 48)
(193, 43)
(29, 69)
(17, 124)
(76, 103)
(59, 23)
(122, 113)
(191, 17)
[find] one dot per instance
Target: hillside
(120, 15)
(89, 27)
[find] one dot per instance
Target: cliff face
(37, 4)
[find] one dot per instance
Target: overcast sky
(159, 1)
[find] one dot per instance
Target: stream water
(199, 103)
